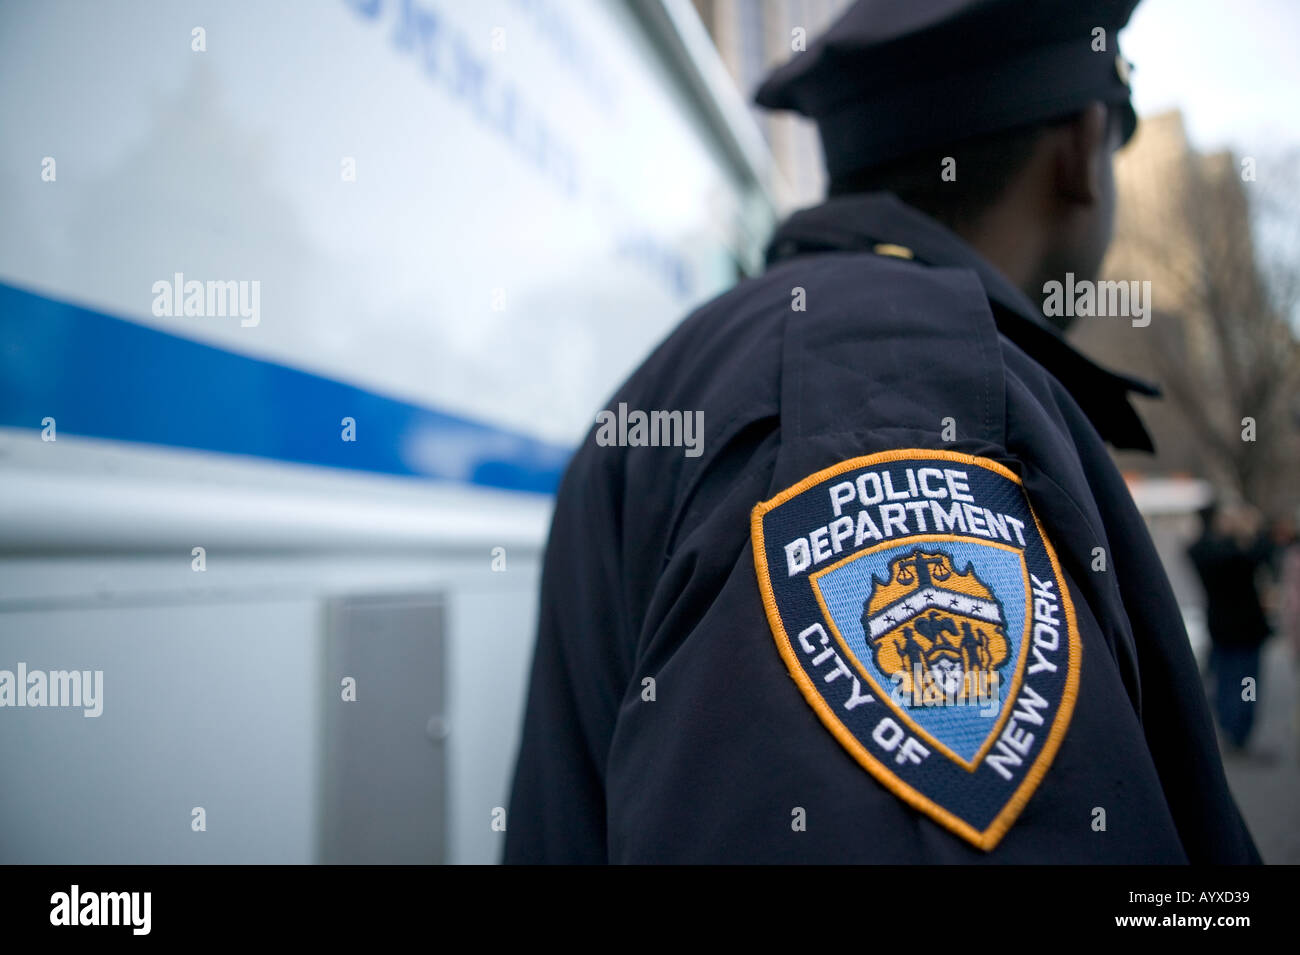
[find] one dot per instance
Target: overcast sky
(1231, 66)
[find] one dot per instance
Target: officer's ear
(1083, 146)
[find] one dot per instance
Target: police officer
(752, 654)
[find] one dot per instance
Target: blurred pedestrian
(1287, 603)
(1228, 557)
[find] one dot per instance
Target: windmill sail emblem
(938, 632)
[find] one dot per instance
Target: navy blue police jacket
(681, 710)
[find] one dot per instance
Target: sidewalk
(1269, 793)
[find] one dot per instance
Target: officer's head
(997, 117)
(1039, 198)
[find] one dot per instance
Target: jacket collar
(864, 221)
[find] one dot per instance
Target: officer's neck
(1018, 246)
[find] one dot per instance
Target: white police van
(303, 306)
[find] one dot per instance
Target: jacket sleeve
(557, 805)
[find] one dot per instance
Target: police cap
(891, 78)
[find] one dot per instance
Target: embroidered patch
(923, 613)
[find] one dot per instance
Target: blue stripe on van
(104, 377)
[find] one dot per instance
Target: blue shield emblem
(924, 616)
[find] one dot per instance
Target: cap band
(1041, 84)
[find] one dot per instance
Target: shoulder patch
(923, 613)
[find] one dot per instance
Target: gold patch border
(988, 838)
